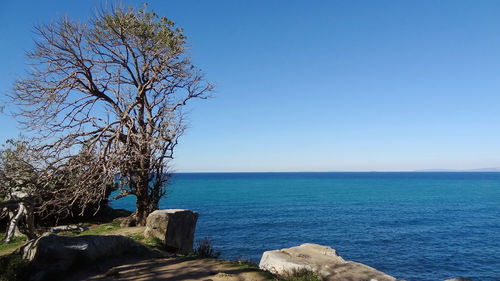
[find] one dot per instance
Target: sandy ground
(7, 251)
(169, 269)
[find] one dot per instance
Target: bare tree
(115, 86)
(31, 188)
(78, 186)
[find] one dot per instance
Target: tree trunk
(142, 208)
(30, 221)
(17, 231)
(14, 221)
(147, 198)
(146, 204)
(141, 212)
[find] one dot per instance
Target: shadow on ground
(168, 269)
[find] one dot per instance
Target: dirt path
(7, 251)
(173, 269)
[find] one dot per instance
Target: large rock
(174, 228)
(51, 256)
(322, 260)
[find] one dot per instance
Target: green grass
(103, 228)
(16, 242)
(245, 264)
(151, 242)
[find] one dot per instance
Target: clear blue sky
(320, 85)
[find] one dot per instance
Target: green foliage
(126, 64)
(140, 28)
(205, 249)
(13, 268)
(151, 242)
(17, 172)
(300, 275)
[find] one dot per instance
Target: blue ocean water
(414, 226)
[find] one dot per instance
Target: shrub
(302, 274)
(205, 249)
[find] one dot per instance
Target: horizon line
(347, 171)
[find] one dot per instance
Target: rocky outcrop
(174, 228)
(51, 256)
(322, 260)
(458, 279)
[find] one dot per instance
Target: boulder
(322, 260)
(51, 256)
(458, 279)
(174, 228)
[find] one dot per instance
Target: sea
(412, 225)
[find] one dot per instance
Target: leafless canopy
(114, 88)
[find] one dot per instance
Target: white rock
(322, 260)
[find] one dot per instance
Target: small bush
(205, 249)
(300, 275)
